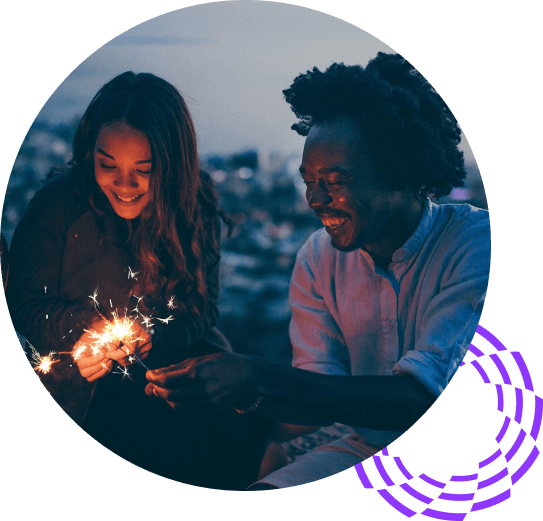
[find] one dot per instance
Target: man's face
(345, 189)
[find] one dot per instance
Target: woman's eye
(144, 172)
(106, 167)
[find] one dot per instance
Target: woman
(131, 230)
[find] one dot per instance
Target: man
(386, 298)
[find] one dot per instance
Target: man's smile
(333, 222)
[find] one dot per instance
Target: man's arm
(390, 403)
(290, 394)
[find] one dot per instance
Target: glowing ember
(170, 304)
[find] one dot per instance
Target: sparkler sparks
(116, 332)
(165, 320)
(124, 372)
(42, 363)
(132, 274)
(94, 297)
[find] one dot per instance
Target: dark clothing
(62, 250)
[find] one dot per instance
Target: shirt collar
(415, 242)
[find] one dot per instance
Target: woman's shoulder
(61, 194)
(60, 184)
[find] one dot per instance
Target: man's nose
(318, 195)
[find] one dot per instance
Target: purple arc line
(538, 414)
(490, 459)
(525, 466)
(384, 452)
(501, 368)
(499, 390)
(382, 472)
(393, 502)
(447, 516)
(456, 497)
(363, 476)
(487, 503)
(432, 481)
(519, 405)
(523, 370)
(487, 335)
(416, 494)
(476, 351)
(494, 479)
(468, 477)
(481, 371)
(516, 446)
(402, 468)
(504, 428)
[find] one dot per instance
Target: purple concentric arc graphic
(496, 472)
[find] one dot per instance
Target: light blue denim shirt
(350, 317)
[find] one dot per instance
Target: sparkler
(120, 331)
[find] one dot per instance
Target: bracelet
(250, 407)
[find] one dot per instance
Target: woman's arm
(33, 291)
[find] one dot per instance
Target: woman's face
(122, 167)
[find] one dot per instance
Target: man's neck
(400, 229)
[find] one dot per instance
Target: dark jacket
(61, 251)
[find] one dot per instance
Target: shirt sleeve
(317, 342)
(182, 331)
(451, 318)
(38, 312)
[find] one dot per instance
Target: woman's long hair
(174, 241)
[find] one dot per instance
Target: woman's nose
(126, 179)
(318, 196)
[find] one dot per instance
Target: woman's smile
(127, 200)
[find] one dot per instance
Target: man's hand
(213, 382)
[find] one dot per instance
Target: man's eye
(335, 185)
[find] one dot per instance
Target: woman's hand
(213, 382)
(92, 365)
(140, 347)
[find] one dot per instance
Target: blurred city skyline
(231, 61)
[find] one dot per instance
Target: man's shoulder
(463, 222)
(317, 247)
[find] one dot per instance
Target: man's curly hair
(412, 131)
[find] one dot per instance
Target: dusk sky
(231, 61)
